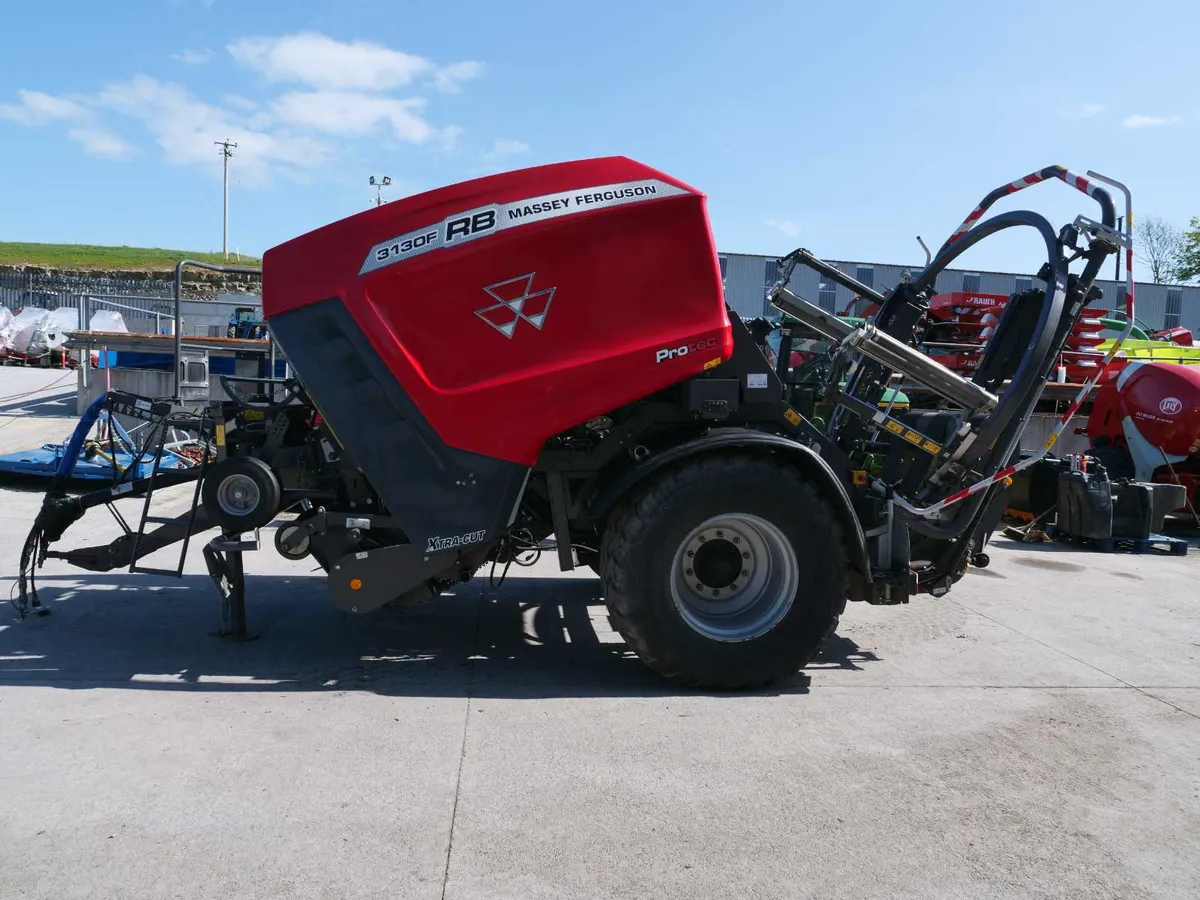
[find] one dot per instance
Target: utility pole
(227, 147)
(379, 184)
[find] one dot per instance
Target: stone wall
(19, 283)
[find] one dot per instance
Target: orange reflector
(355, 584)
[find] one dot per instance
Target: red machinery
(1177, 335)
(964, 320)
(544, 358)
(1145, 424)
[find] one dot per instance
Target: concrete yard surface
(1036, 734)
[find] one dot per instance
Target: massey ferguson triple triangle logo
(517, 300)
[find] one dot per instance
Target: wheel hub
(717, 564)
(238, 495)
(734, 577)
(299, 549)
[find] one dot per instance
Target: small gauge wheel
(241, 493)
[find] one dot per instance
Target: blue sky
(844, 127)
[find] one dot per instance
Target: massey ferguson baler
(545, 358)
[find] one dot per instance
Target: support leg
(223, 556)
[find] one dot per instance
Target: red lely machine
(1145, 425)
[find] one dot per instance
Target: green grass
(85, 256)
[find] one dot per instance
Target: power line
(227, 147)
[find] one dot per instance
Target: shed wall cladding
(1190, 318)
(749, 277)
(744, 284)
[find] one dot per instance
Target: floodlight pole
(379, 184)
(227, 147)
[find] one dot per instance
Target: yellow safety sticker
(792, 416)
(859, 477)
(712, 364)
(254, 415)
(220, 435)
(912, 437)
(1051, 441)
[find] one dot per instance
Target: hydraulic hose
(71, 452)
(54, 515)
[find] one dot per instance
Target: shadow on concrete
(532, 638)
(1180, 528)
(61, 405)
(1184, 527)
(841, 652)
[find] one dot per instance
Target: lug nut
(720, 534)
(689, 571)
(737, 540)
(691, 553)
(703, 539)
(745, 555)
(733, 587)
(716, 593)
(745, 573)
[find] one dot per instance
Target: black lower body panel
(443, 496)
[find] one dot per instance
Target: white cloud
(348, 113)
(321, 62)
(450, 135)
(36, 108)
(786, 227)
(239, 102)
(1152, 121)
(1088, 110)
(335, 93)
(192, 57)
(502, 147)
(449, 79)
(186, 129)
(101, 142)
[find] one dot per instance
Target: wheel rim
(734, 577)
(297, 552)
(238, 495)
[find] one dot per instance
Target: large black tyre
(241, 493)
(645, 553)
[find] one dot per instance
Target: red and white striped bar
(1079, 182)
